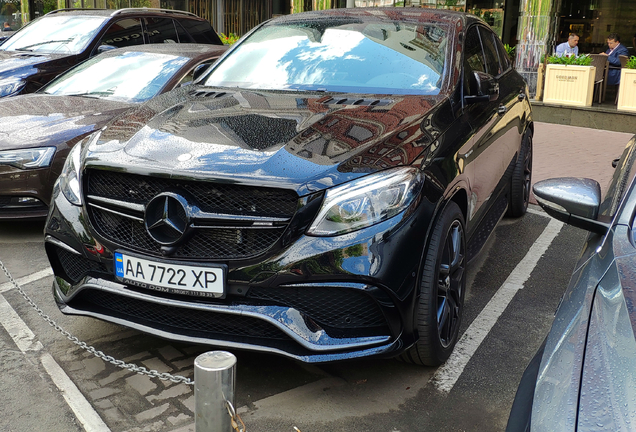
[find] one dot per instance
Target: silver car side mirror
(575, 201)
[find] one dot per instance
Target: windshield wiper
(26, 48)
(96, 93)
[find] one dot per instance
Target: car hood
(301, 141)
(23, 64)
(35, 120)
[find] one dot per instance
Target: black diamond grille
(329, 306)
(4, 201)
(76, 266)
(210, 197)
(205, 243)
(176, 319)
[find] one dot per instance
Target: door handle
(502, 109)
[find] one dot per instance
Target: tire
(521, 180)
(442, 289)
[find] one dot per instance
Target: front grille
(76, 266)
(176, 319)
(211, 239)
(210, 197)
(329, 306)
(4, 201)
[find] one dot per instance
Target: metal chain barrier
(237, 422)
(109, 359)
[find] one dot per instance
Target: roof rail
(73, 9)
(144, 9)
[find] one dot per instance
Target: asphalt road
(514, 287)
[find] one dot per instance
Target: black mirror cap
(574, 201)
(486, 86)
(199, 71)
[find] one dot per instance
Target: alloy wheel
(450, 284)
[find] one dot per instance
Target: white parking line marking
(24, 338)
(448, 374)
(27, 279)
(17, 329)
(87, 416)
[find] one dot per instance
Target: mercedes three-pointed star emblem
(167, 218)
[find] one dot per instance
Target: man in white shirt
(570, 47)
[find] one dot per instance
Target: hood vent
(358, 101)
(207, 94)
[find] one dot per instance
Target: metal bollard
(214, 382)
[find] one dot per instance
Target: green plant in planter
(631, 63)
(582, 60)
(228, 40)
(510, 50)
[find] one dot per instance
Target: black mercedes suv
(318, 193)
(54, 43)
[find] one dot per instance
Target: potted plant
(627, 87)
(569, 80)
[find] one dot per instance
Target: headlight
(367, 201)
(8, 86)
(70, 177)
(28, 158)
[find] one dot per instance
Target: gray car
(583, 377)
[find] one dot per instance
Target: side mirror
(574, 201)
(199, 71)
(486, 86)
(104, 48)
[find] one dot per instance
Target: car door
(490, 154)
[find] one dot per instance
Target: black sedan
(38, 130)
(583, 378)
(59, 40)
(318, 194)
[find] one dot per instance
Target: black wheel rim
(527, 174)
(450, 285)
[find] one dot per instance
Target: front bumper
(24, 194)
(316, 300)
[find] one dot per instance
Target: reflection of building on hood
(341, 133)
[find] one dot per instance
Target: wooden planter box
(540, 82)
(569, 85)
(627, 90)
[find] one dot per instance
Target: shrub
(582, 60)
(631, 63)
(510, 50)
(228, 40)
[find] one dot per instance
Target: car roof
(387, 14)
(119, 12)
(189, 50)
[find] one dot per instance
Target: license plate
(170, 277)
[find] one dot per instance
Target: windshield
(129, 77)
(338, 56)
(55, 34)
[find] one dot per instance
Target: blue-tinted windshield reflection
(129, 77)
(55, 34)
(363, 57)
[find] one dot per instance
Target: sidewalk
(571, 151)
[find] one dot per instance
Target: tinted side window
(490, 52)
(183, 35)
(503, 55)
(123, 33)
(161, 30)
(201, 31)
(473, 55)
(473, 59)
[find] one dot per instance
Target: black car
(54, 43)
(38, 130)
(584, 375)
(318, 194)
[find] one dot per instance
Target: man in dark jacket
(615, 50)
(7, 27)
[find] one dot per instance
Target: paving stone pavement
(571, 151)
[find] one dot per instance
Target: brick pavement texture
(571, 151)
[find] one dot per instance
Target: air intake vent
(358, 101)
(208, 94)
